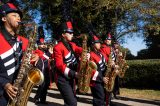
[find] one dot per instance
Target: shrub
(142, 74)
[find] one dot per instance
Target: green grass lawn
(136, 93)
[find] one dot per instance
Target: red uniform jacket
(41, 54)
(64, 58)
(106, 50)
(100, 61)
(10, 57)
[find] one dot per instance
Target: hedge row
(143, 74)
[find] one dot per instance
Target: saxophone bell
(36, 76)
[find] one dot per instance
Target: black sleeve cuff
(72, 74)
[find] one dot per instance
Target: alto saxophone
(111, 73)
(123, 65)
(28, 75)
(85, 69)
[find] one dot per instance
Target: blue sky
(134, 44)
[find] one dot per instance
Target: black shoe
(77, 91)
(115, 96)
(36, 102)
(43, 102)
(77, 97)
(111, 104)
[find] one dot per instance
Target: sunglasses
(70, 32)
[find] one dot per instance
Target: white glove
(88, 56)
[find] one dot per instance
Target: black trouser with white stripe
(66, 88)
(98, 93)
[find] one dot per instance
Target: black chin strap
(67, 45)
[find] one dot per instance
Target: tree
(129, 56)
(153, 44)
(120, 17)
(142, 54)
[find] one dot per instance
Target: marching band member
(12, 47)
(116, 89)
(43, 65)
(98, 79)
(66, 61)
(106, 49)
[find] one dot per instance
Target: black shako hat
(95, 39)
(109, 37)
(67, 27)
(8, 8)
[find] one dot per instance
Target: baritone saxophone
(111, 73)
(28, 75)
(85, 69)
(123, 64)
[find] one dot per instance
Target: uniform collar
(7, 35)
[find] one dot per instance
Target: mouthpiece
(20, 23)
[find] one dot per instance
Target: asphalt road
(55, 99)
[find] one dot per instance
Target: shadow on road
(118, 104)
(84, 100)
(57, 96)
(48, 103)
(154, 102)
